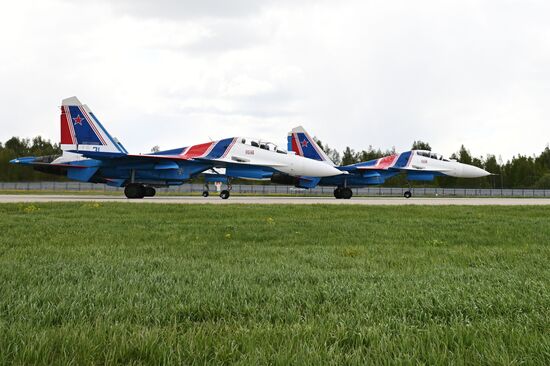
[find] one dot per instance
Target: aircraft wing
(98, 155)
(240, 162)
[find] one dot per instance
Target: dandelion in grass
(31, 209)
(92, 205)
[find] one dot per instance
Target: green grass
(250, 284)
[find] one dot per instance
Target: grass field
(193, 284)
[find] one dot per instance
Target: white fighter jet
(91, 154)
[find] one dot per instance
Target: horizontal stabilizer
(99, 155)
(32, 161)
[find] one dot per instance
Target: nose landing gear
(224, 194)
(408, 194)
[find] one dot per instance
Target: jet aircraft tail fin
(82, 131)
(302, 144)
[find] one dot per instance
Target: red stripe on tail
(66, 137)
(295, 145)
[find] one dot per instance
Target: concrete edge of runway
(372, 201)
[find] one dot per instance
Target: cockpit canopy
(270, 146)
(431, 155)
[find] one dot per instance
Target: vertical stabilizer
(81, 130)
(302, 144)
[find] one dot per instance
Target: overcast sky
(354, 73)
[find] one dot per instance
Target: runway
(269, 200)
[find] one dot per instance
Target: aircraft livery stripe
(229, 148)
(297, 142)
(197, 150)
(66, 137)
(314, 144)
(308, 147)
(386, 162)
(403, 160)
(294, 146)
(210, 149)
(70, 122)
(85, 133)
(219, 149)
(90, 122)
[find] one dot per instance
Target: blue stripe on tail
(83, 131)
(307, 147)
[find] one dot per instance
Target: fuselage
(418, 165)
(246, 151)
(241, 157)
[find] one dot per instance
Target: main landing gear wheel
(149, 191)
(407, 194)
(224, 194)
(347, 193)
(134, 190)
(343, 192)
(205, 193)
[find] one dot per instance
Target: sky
(174, 73)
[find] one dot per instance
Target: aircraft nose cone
(328, 170)
(470, 171)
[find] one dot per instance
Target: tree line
(520, 172)
(19, 147)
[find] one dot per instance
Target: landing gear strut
(206, 192)
(136, 190)
(343, 192)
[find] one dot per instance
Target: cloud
(354, 73)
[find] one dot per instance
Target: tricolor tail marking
(304, 145)
(77, 127)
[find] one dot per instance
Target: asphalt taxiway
(369, 201)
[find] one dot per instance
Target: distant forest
(519, 172)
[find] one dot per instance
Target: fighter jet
(91, 154)
(418, 165)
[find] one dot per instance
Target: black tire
(205, 193)
(407, 194)
(338, 193)
(224, 194)
(149, 191)
(134, 190)
(347, 193)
